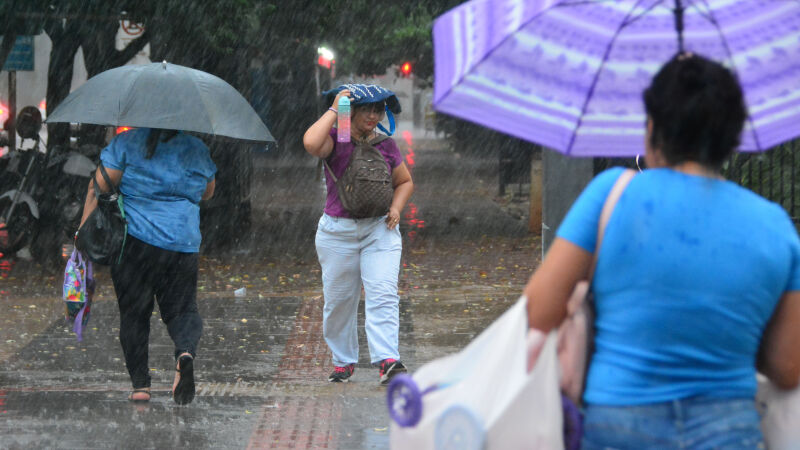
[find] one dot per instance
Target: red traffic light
(405, 69)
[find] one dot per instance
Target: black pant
(147, 272)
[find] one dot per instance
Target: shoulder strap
(605, 214)
(106, 178)
(375, 141)
(325, 161)
(378, 139)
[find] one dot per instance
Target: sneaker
(389, 368)
(341, 374)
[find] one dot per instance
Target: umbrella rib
(703, 14)
(205, 103)
(597, 74)
(714, 22)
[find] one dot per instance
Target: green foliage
(369, 36)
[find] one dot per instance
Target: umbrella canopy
(570, 74)
(162, 95)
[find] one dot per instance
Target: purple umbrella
(570, 74)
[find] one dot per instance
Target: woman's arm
(317, 139)
(209, 190)
(91, 200)
(779, 353)
(403, 188)
(550, 286)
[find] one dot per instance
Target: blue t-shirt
(689, 272)
(162, 194)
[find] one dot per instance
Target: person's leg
(337, 249)
(381, 249)
(133, 284)
(176, 293)
(177, 299)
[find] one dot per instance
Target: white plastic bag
(483, 396)
(780, 419)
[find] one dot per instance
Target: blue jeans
(692, 423)
(352, 252)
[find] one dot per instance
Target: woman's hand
(342, 93)
(393, 218)
(316, 139)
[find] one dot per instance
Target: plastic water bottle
(343, 127)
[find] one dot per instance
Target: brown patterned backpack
(365, 188)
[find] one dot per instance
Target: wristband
(333, 109)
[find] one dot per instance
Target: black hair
(155, 137)
(698, 111)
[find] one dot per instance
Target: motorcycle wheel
(17, 232)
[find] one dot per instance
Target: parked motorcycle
(41, 191)
(19, 211)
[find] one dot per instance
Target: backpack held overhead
(365, 189)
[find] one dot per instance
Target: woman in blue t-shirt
(163, 175)
(697, 281)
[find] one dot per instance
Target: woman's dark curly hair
(698, 111)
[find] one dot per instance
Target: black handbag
(102, 237)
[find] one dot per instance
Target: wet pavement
(262, 363)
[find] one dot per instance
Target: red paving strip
(306, 356)
(298, 422)
(3, 395)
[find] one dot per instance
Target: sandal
(132, 397)
(184, 391)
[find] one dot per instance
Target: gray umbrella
(162, 95)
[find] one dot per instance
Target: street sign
(21, 56)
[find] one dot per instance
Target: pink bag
(575, 335)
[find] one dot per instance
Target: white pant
(352, 251)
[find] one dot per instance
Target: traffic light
(405, 69)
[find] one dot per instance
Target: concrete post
(563, 180)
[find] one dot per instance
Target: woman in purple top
(355, 251)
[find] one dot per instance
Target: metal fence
(773, 174)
